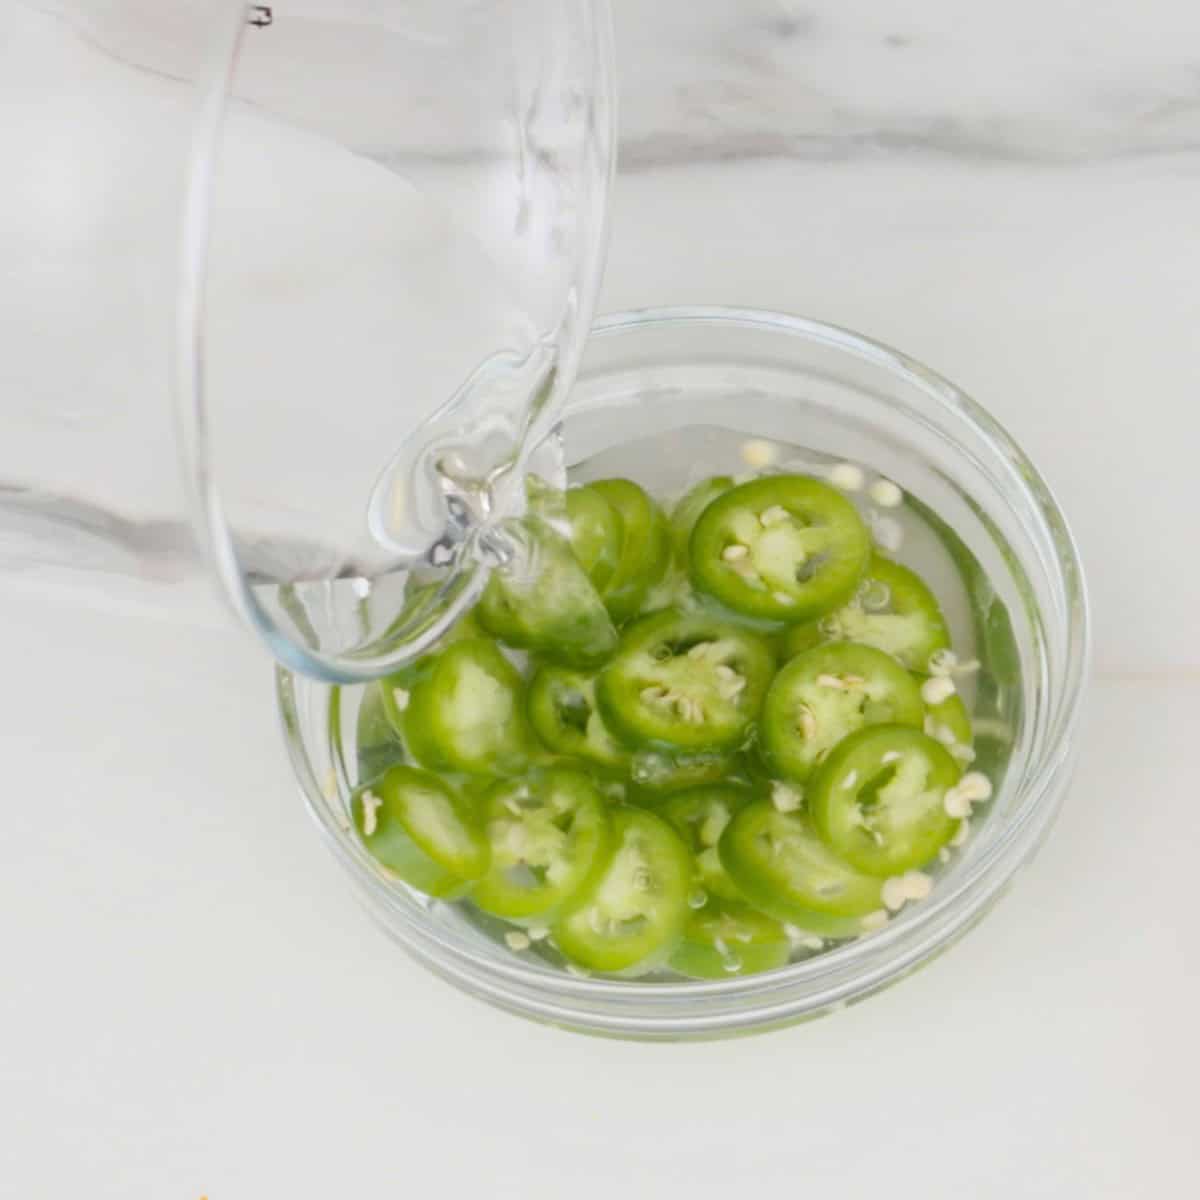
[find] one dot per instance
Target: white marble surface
(193, 1005)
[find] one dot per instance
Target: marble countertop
(194, 1005)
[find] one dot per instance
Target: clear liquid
(667, 465)
(373, 364)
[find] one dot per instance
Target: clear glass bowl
(666, 395)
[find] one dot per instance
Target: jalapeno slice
(632, 914)
(701, 814)
(688, 508)
(892, 610)
(726, 938)
(684, 681)
(878, 800)
(421, 830)
(659, 773)
(562, 710)
(594, 531)
(782, 866)
(549, 834)
(826, 693)
(466, 713)
(377, 740)
(544, 600)
(645, 546)
(786, 548)
(394, 689)
(949, 723)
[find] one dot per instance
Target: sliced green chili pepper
(784, 548)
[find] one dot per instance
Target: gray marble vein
(1045, 81)
(1048, 82)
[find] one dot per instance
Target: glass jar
(981, 521)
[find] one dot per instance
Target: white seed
(371, 804)
(538, 933)
(956, 804)
(516, 940)
(832, 681)
(942, 662)
(850, 780)
(772, 516)
(886, 494)
(964, 754)
(804, 939)
(893, 893)
(786, 799)
(700, 650)
(759, 454)
(937, 689)
(401, 697)
(874, 920)
(730, 689)
(724, 672)
(806, 722)
(964, 832)
(889, 534)
(853, 681)
(944, 734)
(651, 695)
(890, 757)
(783, 598)
(847, 476)
(975, 786)
(735, 552)
(916, 884)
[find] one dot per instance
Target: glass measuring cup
(392, 231)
